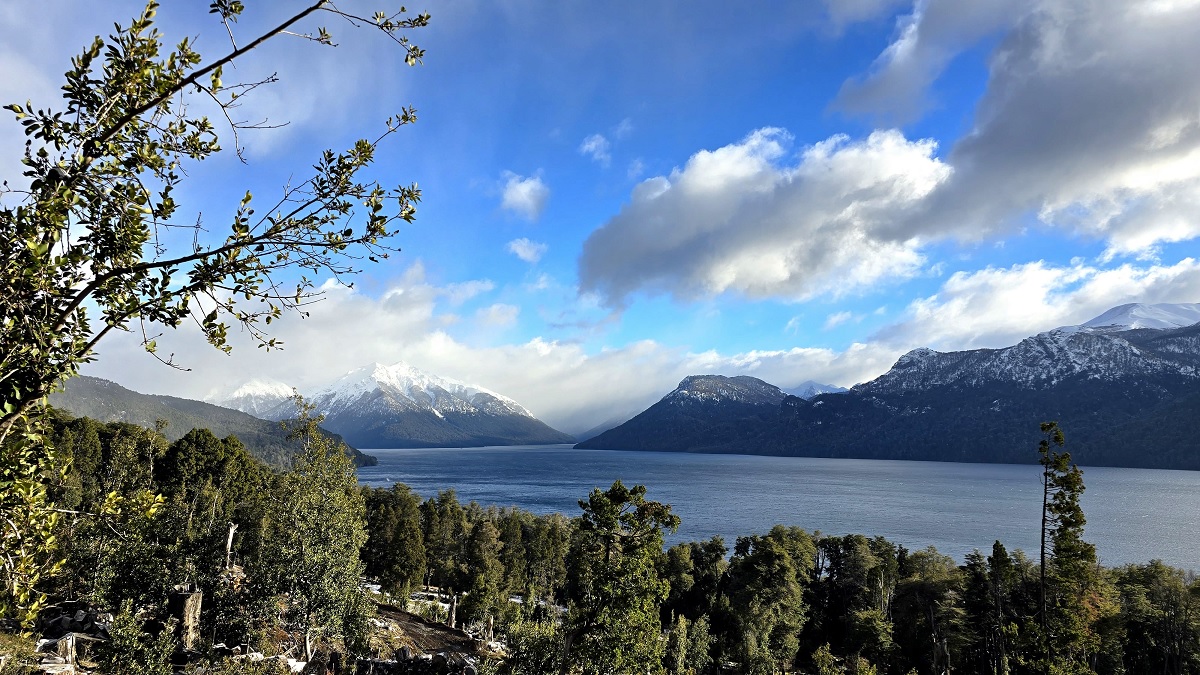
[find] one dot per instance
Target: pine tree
(1072, 597)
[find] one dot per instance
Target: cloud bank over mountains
(573, 389)
(857, 216)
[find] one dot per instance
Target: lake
(1133, 515)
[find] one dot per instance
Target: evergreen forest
(303, 561)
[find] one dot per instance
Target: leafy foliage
(29, 525)
(133, 649)
(613, 588)
(102, 176)
(316, 527)
(89, 234)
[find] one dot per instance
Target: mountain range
(107, 401)
(399, 406)
(1124, 386)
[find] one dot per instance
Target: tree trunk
(1042, 579)
(568, 643)
(229, 546)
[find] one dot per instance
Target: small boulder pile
(68, 632)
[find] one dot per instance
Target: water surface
(1133, 515)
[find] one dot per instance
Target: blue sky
(617, 195)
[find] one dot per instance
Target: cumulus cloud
(597, 147)
(524, 195)
(744, 219)
(1080, 128)
(527, 250)
(1083, 125)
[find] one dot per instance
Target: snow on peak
(811, 388)
(1140, 315)
(916, 357)
(260, 387)
(258, 397)
(402, 379)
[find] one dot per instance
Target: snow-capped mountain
(1125, 387)
(811, 388)
(1138, 315)
(395, 406)
(721, 390)
(1105, 353)
(410, 388)
(693, 416)
(261, 398)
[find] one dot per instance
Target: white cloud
(741, 219)
(996, 307)
(1084, 125)
(636, 169)
(1081, 124)
(524, 195)
(527, 250)
(597, 147)
(836, 319)
(622, 130)
(543, 282)
(574, 389)
(498, 315)
(896, 87)
(458, 293)
(560, 382)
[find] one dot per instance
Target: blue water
(1133, 515)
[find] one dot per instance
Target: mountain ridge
(1126, 395)
(107, 401)
(378, 406)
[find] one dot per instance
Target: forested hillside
(279, 559)
(110, 402)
